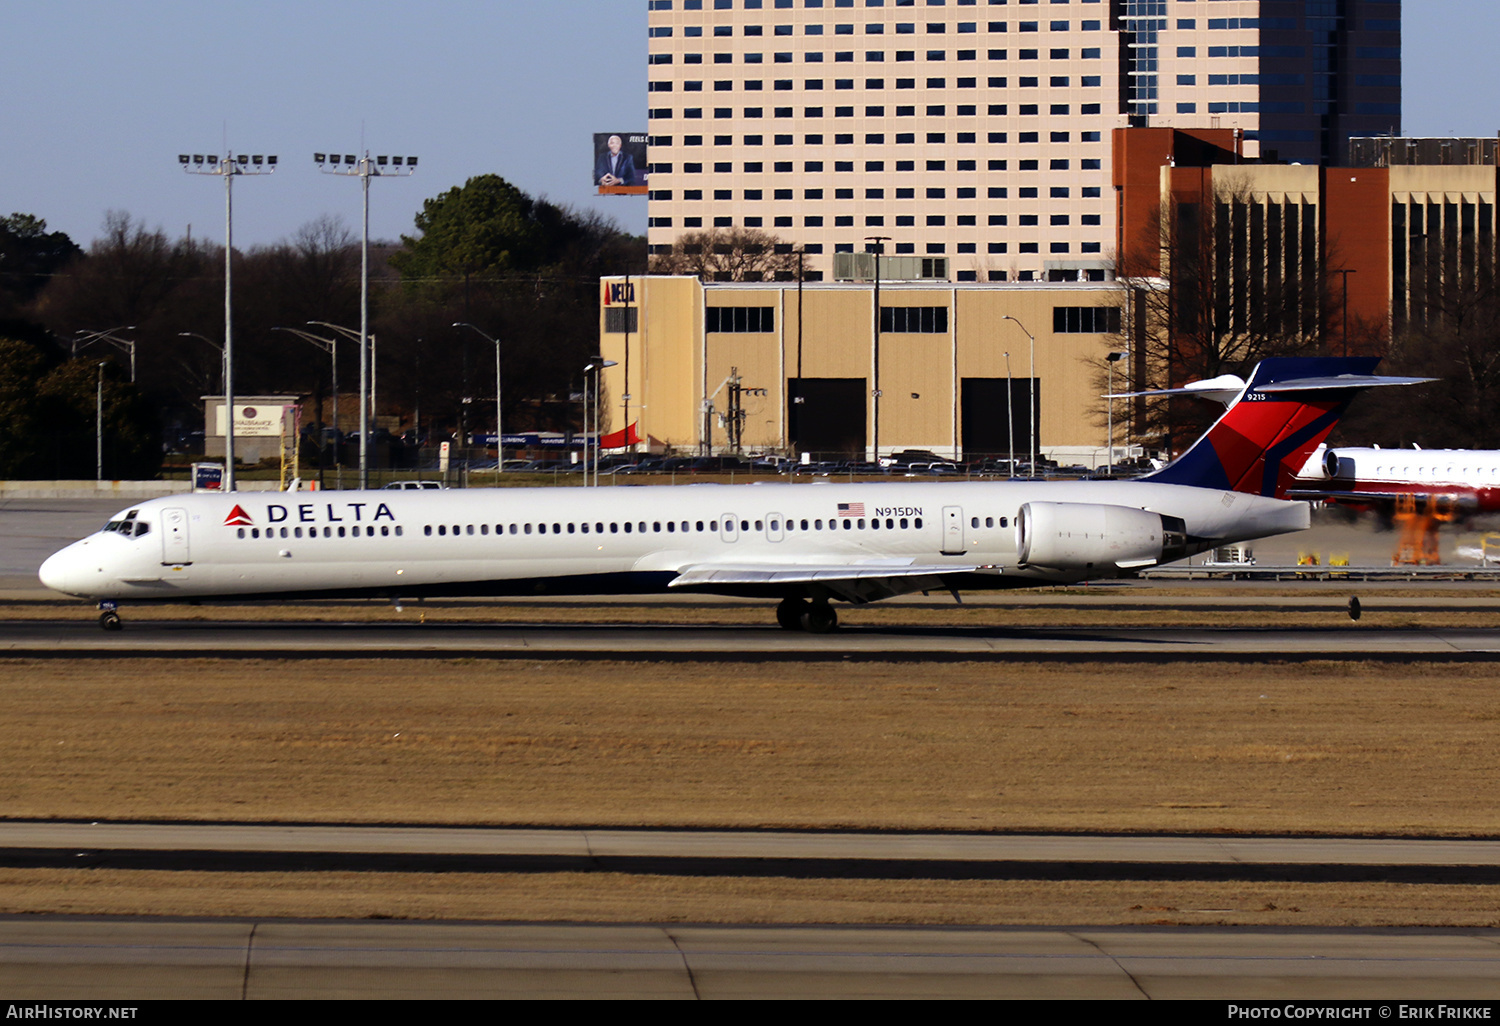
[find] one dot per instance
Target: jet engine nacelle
(1084, 536)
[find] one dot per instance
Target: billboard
(620, 166)
(254, 421)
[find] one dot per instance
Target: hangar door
(830, 416)
(983, 417)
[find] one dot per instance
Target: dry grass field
(1321, 748)
(1305, 748)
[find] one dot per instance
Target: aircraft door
(953, 531)
(729, 527)
(774, 527)
(175, 549)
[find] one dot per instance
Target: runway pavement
(83, 638)
(126, 959)
(815, 854)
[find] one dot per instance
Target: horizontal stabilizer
(1340, 381)
(1459, 499)
(1222, 389)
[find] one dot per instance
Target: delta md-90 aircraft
(804, 544)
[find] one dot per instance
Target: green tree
(68, 396)
(22, 368)
(29, 257)
(486, 227)
(523, 270)
(47, 418)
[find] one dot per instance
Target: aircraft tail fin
(1284, 411)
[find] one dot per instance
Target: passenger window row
(989, 521)
(668, 527)
(627, 527)
(384, 531)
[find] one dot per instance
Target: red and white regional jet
(1461, 480)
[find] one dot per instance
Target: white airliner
(806, 544)
(1465, 480)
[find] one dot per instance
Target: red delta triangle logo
(238, 518)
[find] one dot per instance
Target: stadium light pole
(1030, 424)
(230, 168)
(108, 335)
(499, 435)
(364, 169)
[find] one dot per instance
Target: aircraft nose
(62, 571)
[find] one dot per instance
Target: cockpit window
(128, 526)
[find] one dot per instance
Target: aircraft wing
(1463, 500)
(855, 582)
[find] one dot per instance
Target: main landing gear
(815, 617)
(109, 616)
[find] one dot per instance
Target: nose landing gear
(109, 616)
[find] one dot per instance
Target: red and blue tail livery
(1282, 414)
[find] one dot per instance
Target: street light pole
(99, 427)
(108, 335)
(879, 242)
(1031, 424)
(331, 347)
(1111, 360)
(364, 169)
(217, 348)
(499, 434)
(597, 367)
(1010, 416)
(228, 168)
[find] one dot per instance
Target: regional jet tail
(807, 545)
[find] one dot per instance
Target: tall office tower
(977, 132)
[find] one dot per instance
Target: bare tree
(1214, 286)
(738, 254)
(1449, 329)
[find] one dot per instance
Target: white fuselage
(406, 544)
(1470, 475)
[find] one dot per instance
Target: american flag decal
(851, 509)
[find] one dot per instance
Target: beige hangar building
(795, 370)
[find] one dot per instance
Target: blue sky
(97, 98)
